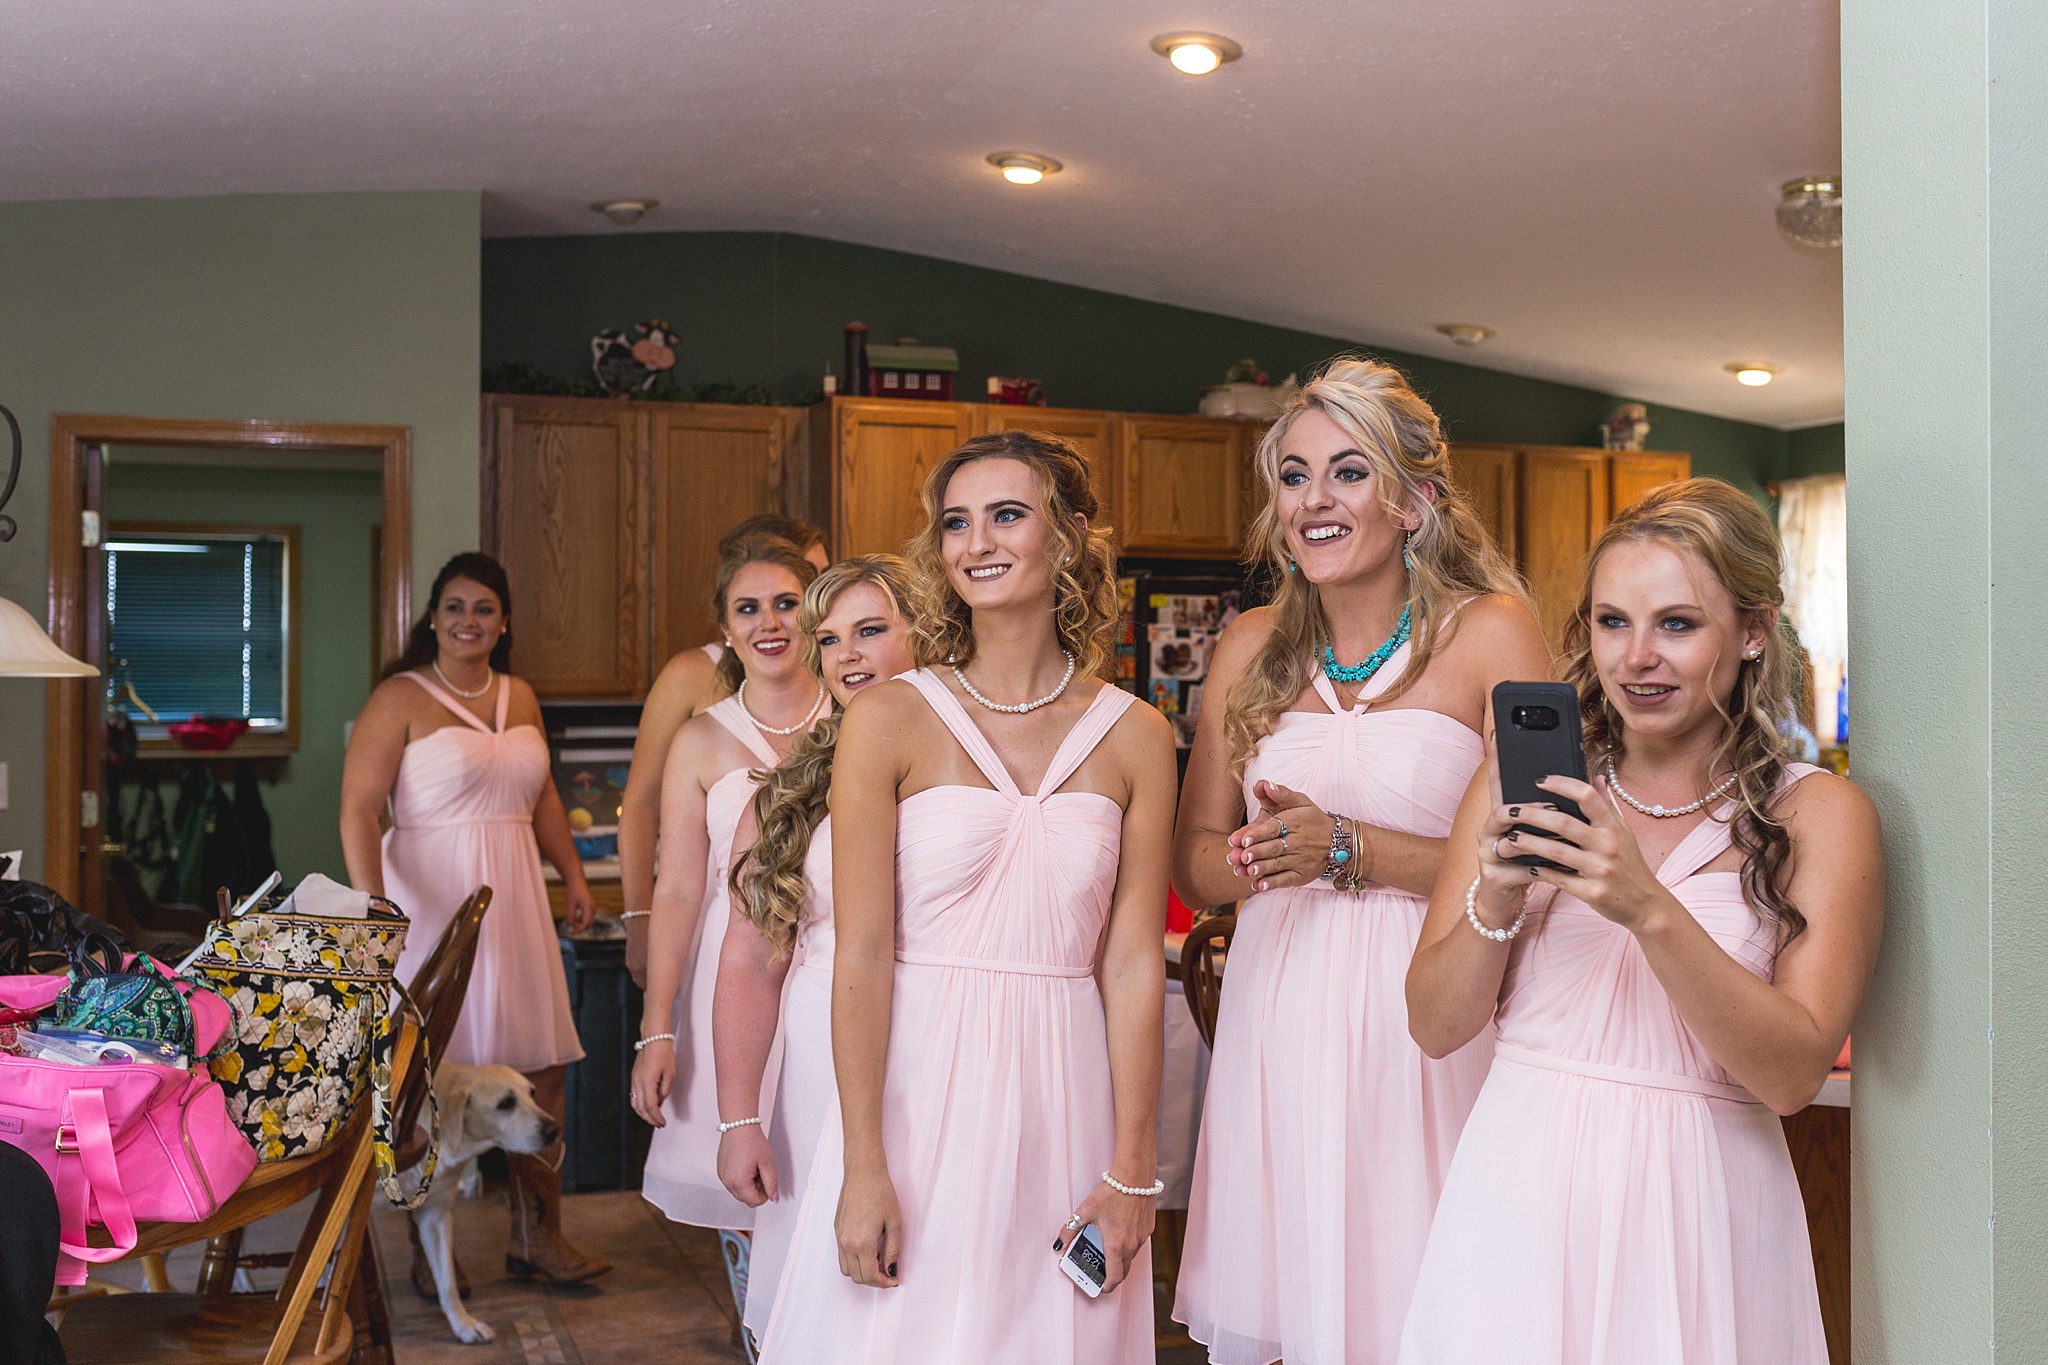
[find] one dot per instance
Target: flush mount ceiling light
(1023, 168)
(1810, 210)
(1465, 333)
(1747, 372)
(1196, 54)
(624, 212)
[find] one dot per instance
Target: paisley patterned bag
(314, 1029)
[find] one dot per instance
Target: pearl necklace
(772, 730)
(1046, 700)
(466, 696)
(1665, 812)
(1371, 663)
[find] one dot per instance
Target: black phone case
(1527, 756)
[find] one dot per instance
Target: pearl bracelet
(1156, 1187)
(1472, 916)
(654, 1038)
(725, 1128)
(634, 914)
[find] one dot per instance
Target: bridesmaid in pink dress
(777, 961)
(1345, 717)
(453, 743)
(1001, 834)
(1622, 1191)
(713, 767)
(684, 689)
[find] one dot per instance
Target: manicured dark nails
(1514, 811)
(892, 1270)
(1056, 1243)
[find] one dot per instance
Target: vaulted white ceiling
(1592, 178)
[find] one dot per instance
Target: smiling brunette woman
(1622, 1191)
(1325, 1133)
(713, 767)
(453, 743)
(856, 635)
(1001, 832)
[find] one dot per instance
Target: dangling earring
(1407, 559)
(1290, 564)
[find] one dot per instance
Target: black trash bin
(607, 1141)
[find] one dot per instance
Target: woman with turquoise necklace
(1351, 721)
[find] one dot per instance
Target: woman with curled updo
(776, 964)
(1320, 794)
(1001, 827)
(1622, 1190)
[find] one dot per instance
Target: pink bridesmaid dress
(681, 1177)
(1617, 1197)
(462, 817)
(805, 1084)
(997, 1112)
(1325, 1131)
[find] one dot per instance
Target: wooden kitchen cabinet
(713, 465)
(1093, 434)
(1487, 475)
(1546, 505)
(869, 458)
(565, 511)
(1630, 474)
(1180, 483)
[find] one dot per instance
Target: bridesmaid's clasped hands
(1288, 844)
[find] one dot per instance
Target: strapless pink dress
(1326, 1132)
(804, 1086)
(462, 817)
(1617, 1197)
(681, 1176)
(997, 1112)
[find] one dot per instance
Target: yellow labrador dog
(481, 1107)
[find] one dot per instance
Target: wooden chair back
(291, 1326)
(439, 989)
(1201, 970)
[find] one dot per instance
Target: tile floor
(666, 1299)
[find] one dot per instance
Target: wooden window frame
(271, 744)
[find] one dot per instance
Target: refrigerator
(1173, 612)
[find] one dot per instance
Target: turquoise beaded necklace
(1371, 664)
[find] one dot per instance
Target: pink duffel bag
(128, 1144)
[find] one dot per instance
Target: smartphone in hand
(1085, 1263)
(1536, 735)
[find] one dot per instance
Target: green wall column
(1944, 110)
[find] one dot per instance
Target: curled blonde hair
(768, 879)
(1084, 570)
(1735, 540)
(1454, 558)
(734, 555)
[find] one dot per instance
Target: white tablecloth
(1182, 1080)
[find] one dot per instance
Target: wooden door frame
(65, 709)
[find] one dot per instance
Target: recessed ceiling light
(1756, 376)
(624, 212)
(1196, 54)
(1024, 168)
(1465, 333)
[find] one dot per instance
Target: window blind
(201, 624)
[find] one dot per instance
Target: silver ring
(1498, 856)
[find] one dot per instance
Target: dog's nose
(549, 1131)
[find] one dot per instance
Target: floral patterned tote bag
(313, 1029)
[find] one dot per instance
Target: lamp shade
(26, 652)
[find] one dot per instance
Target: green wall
(767, 308)
(1945, 286)
(1816, 450)
(334, 510)
(345, 308)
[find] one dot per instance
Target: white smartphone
(1084, 1262)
